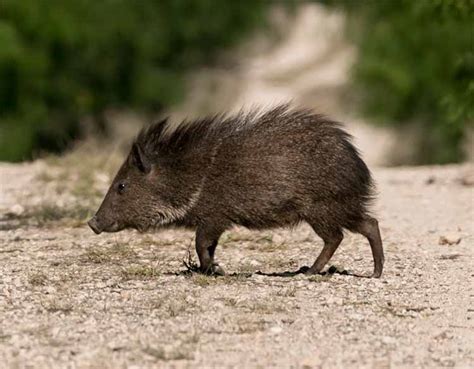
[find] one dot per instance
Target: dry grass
(203, 280)
(47, 214)
(184, 350)
(263, 306)
(164, 354)
(319, 278)
(38, 279)
(287, 292)
(176, 307)
(84, 172)
(122, 251)
(96, 256)
(250, 324)
(254, 242)
(55, 304)
(273, 247)
(232, 302)
(189, 263)
(247, 268)
(142, 272)
(118, 253)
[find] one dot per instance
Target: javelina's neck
(188, 172)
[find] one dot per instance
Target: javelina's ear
(139, 159)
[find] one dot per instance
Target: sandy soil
(71, 299)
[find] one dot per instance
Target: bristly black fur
(259, 169)
(164, 139)
(163, 135)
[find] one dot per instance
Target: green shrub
(416, 66)
(63, 60)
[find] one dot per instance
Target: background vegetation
(61, 61)
(416, 67)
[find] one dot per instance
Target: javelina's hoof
(376, 274)
(214, 269)
(303, 270)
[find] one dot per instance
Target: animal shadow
(285, 274)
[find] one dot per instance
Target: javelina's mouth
(114, 227)
(110, 228)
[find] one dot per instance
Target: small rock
(356, 316)
(334, 300)
(254, 263)
(115, 345)
(17, 209)
(276, 329)
(449, 239)
(430, 180)
(467, 179)
(441, 336)
(388, 340)
(49, 290)
(126, 295)
(258, 278)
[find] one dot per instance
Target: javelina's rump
(259, 170)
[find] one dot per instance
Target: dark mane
(165, 137)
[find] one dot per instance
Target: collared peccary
(262, 169)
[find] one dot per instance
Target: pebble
(254, 263)
(467, 179)
(258, 278)
(276, 329)
(356, 316)
(388, 339)
(334, 301)
(17, 209)
(115, 345)
(449, 239)
(50, 290)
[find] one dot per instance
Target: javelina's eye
(121, 187)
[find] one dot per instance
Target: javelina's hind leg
(206, 243)
(332, 240)
(369, 227)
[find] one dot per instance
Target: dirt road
(71, 299)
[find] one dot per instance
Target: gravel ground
(71, 299)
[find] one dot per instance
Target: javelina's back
(282, 166)
(259, 170)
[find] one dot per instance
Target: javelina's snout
(94, 225)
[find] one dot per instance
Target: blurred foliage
(61, 61)
(416, 66)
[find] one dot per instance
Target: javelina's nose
(94, 225)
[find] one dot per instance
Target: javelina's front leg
(206, 243)
(332, 240)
